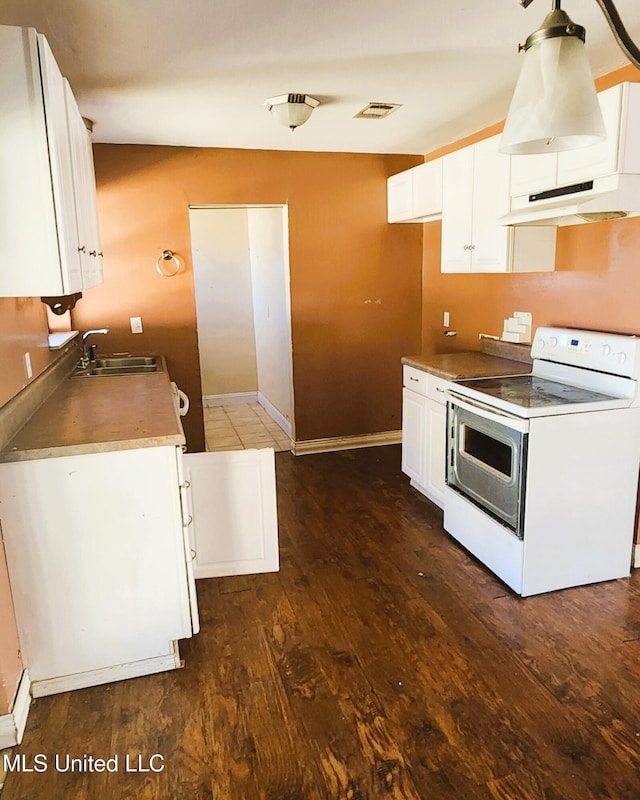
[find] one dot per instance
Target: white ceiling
(196, 72)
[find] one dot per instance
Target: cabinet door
(491, 242)
(232, 497)
(414, 439)
(31, 262)
(599, 159)
(53, 88)
(85, 195)
(533, 173)
(400, 197)
(436, 451)
(457, 191)
(427, 189)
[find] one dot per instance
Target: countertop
(458, 366)
(98, 414)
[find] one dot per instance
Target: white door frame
(287, 271)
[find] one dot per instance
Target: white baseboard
(636, 555)
(12, 725)
(346, 442)
(97, 677)
(233, 399)
(275, 415)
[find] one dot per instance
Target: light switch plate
(136, 324)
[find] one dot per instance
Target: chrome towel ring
(167, 255)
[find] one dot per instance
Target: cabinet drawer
(415, 379)
(436, 388)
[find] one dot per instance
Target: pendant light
(555, 106)
(291, 110)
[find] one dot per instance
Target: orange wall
(346, 351)
(596, 282)
(23, 328)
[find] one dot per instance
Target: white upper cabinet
(533, 173)
(88, 234)
(457, 210)
(475, 194)
(598, 159)
(39, 244)
(415, 195)
(619, 152)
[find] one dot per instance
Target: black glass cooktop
(530, 391)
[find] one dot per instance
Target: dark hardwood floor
(382, 661)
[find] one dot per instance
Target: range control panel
(613, 353)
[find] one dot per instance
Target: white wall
(224, 305)
(268, 246)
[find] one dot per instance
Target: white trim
(12, 725)
(275, 415)
(636, 556)
(346, 442)
(233, 399)
(97, 677)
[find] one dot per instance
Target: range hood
(612, 197)
(595, 183)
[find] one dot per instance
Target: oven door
(486, 459)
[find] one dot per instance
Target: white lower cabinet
(101, 578)
(424, 432)
(101, 549)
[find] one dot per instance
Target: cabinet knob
(82, 249)
(93, 253)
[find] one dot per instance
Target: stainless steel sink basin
(120, 365)
(127, 362)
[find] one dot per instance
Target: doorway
(241, 278)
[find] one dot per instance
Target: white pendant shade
(555, 106)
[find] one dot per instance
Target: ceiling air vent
(376, 110)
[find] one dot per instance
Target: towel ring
(167, 255)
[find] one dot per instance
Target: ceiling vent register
(377, 110)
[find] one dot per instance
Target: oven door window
(489, 451)
(487, 464)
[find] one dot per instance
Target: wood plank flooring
(382, 661)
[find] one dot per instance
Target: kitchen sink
(127, 361)
(120, 365)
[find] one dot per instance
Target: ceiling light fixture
(291, 110)
(555, 106)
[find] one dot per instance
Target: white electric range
(542, 469)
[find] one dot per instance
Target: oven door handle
(492, 414)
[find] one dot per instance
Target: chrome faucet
(84, 361)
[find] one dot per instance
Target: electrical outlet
(445, 319)
(27, 365)
(136, 324)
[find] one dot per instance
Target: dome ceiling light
(291, 110)
(555, 106)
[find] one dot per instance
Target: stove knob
(606, 350)
(553, 341)
(622, 357)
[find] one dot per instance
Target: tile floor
(242, 427)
